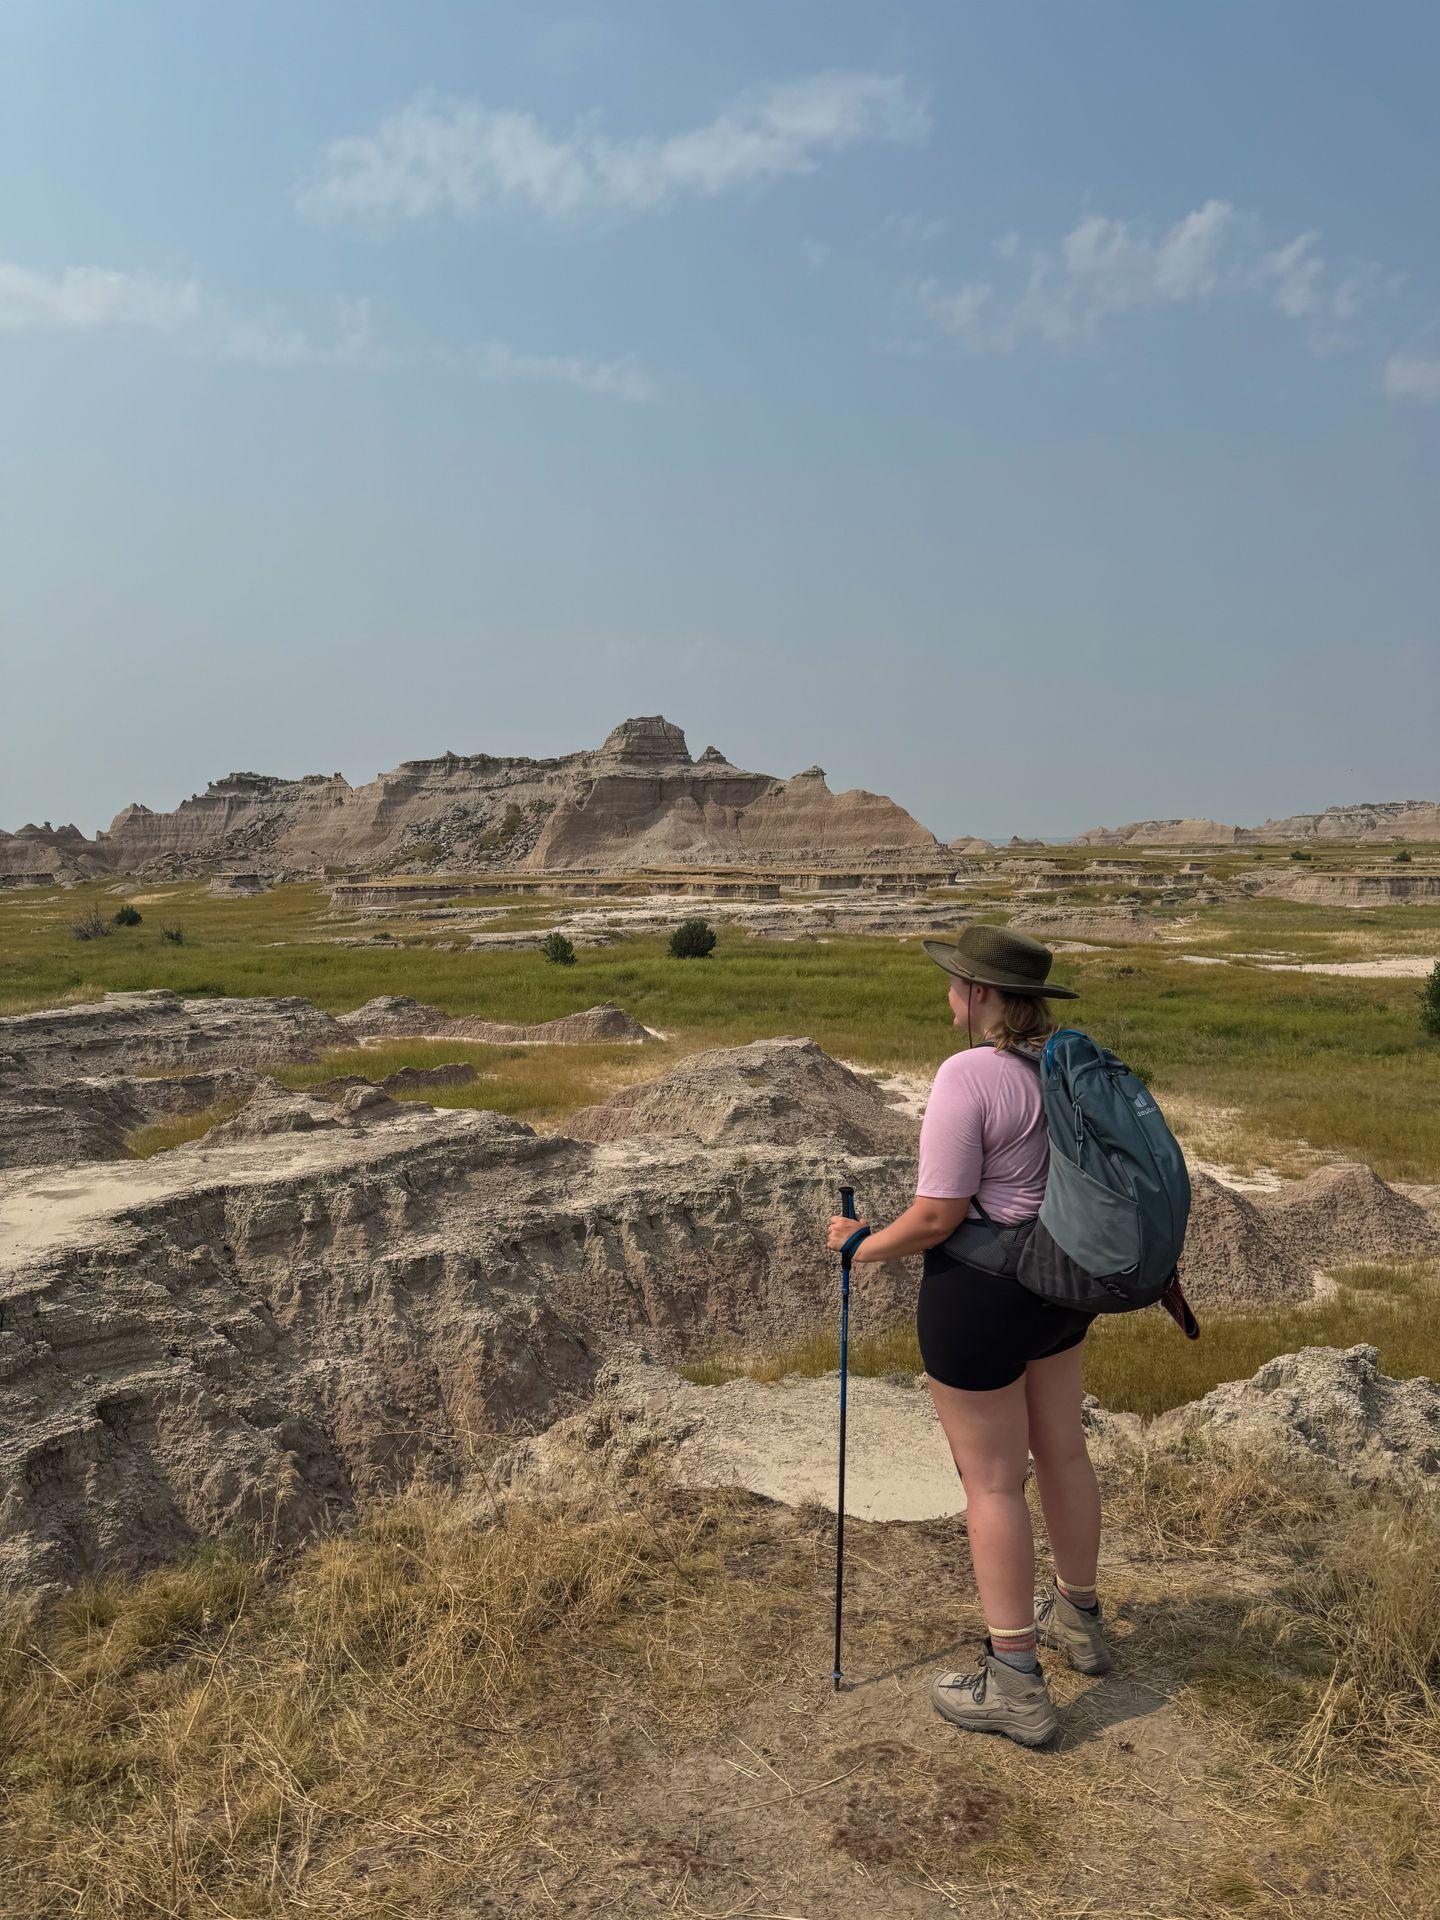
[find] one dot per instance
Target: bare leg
(1069, 1494)
(989, 1442)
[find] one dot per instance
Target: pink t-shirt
(984, 1135)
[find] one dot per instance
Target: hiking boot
(997, 1699)
(1079, 1636)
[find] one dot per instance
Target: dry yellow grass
(619, 1705)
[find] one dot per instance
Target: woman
(1002, 1364)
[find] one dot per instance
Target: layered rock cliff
(1369, 820)
(640, 799)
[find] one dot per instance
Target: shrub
(692, 940)
(558, 950)
(1301, 853)
(127, 917)
(89, 926)
(175, 935)
(1402, 858)
(1430, 1002)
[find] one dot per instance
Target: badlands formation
(336, 1290)
(1367, 823)
(639, 799)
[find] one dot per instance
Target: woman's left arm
(924, 1223)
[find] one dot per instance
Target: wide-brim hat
(998, 957)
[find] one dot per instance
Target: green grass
(533, 1083)
(162, 1135)
(1339, 1063)
(1141, 1362)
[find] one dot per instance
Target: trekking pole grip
(847, 1252)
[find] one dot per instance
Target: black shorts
(979, 1331)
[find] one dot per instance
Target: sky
(1030, 411)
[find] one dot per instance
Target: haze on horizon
(1029, 414)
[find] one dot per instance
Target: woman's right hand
(841, 1228)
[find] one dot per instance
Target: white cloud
(611, 379)
(916, 229)
(1412, 376)
(1103, 268)
(83, 297)
(186, 317)
(442, 155)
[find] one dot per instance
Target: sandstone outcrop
(393, 1016)
(277, 1324)
(1321, 1406)
(81, 1120)
(637, 800)
(47, 853)
(1119, 924)
(770, 1093)
(1161, 833)
(1391, 887)
(159, 1031)
(1259, 1249)
(1365, 822)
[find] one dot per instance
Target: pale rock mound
(1119, 924)
(1233, 1257)
(274, 1109)
(158, 1031)
(772, 1092)
(1324, 1406)
(1254, 1250)
(595, 1024)
(394, 1016)
(1161, 833)
(1345, 1213)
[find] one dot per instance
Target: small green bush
(175, 935)
(89, 926)
(127, 917)
(693, 940)
(1301, 853)
(1403, 857)
(1430, 1002)
(558, 950)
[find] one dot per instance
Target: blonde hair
(1025, 1020)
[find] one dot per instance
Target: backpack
(1117, 1195)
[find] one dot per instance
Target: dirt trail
(776, 1438)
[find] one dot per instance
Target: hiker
(1003, 1365)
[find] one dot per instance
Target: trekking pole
(847, 1207)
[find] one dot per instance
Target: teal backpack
(1117, 1196)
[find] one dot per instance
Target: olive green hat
(996, 957)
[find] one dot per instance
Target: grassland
(1257, 1066)
(620, 1704)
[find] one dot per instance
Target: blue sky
(1030, 411)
